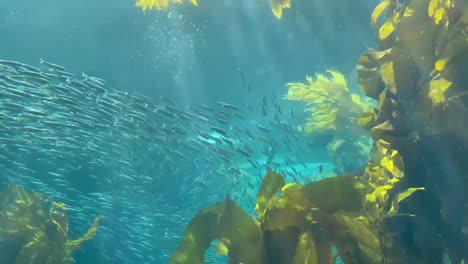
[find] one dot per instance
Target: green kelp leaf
(240, 233)
(198, 235)
(74, 244)
(400, 197)
(271, 185)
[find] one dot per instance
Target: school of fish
(144, 166)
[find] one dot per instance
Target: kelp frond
(32, 234)
(330, 103)
(160, 4)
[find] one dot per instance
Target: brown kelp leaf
(271, 185)
(198, 235)
(358, 230)
(305, 250)
(416, 37)
(283, 213)
(241, 235)
(368, 66)
(281, 244)
(368, 120)
(330, 195)
(379, 131)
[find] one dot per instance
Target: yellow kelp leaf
(437, 88)
(241, 235)
(199, 233)
(432, 7)
(271, 185)
(389, 26)
(159, 4)
(338, 78)
(398, 167)
(408, 12)
(440, 65)
(379, 9)
(290, 186)
(388, 76)
(221, 249)
(439, 14)
(368, 120)
(359, 186)
(379, 195)
(335, 145)
(400, 197)
(324, 117)
(277, 7)
(438, 10)
(72, 245)
(305, 250)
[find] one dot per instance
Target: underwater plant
(298, 223)
(30, 234)
(160, 4)
(277, 6)
(330, 103)
(334, 109)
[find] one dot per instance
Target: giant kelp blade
(74, 244)
(379, 9)
(416, 34)
(360, 231)
(281, 244)
(305, 250)
(284, 213)
(277, 7)
(271, 184)
(332, 194)
(400, 197)
(241, 235)
(198, 235)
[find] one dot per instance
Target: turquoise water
(155, 115)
